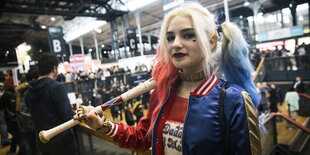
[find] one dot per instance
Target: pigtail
(235, 62)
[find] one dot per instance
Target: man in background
(299, 85)
(49, 107)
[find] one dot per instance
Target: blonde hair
(204, 27)
(231, 59)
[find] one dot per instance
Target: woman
(184, 114)
(292, 100)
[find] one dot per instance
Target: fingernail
(84, 115)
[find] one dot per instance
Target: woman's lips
(178, 55)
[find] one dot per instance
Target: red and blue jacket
(202, 124)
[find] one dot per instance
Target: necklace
(192, 76)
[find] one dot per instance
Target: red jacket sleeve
(135, 137)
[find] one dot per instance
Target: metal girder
(88, 8)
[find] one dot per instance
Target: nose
(177, 43)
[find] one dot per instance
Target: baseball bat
(46, 135)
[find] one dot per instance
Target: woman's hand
(86, 115)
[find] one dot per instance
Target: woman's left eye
(189, 35)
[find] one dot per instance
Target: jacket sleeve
(244, 133)
(136, 138)
(132, 137)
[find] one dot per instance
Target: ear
(213, 42)
(55, 69)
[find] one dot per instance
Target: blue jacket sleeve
(243, 123)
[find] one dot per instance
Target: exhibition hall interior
(105, 48)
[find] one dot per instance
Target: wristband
(105, 128)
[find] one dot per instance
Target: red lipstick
(178, 55)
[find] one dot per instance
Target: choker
(192, 76)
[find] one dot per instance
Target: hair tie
(219, 20)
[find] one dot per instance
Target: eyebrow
(184, 30)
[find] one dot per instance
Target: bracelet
(106, 127)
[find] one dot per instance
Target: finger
(80, 112)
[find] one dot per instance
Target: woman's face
(183, 48)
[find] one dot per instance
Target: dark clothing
(129, 118)
(8, 103)
(274, 99)
(138, 112)
(299, 86)
(49, 106)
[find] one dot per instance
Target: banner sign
(56, 41)
(135, 78)
(77, 62)
(281, 33)
(132, 39)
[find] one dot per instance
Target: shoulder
(234, 93)
(56, 87)
(55, 84)
(238, 98)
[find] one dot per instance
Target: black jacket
(48, 103)
(49, 107)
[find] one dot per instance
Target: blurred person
(8, 103)
(3, 128)
(5, 141)
(264, 94)
(24, 120)
(50, 106)
(68, 77)
(61, 78)
(138, 110)
(292, 100)
(145, 100)
(277, 61)
(287, 61)
(127, 70)
(275, 98)
(128, 115)
(91, 75)
(185, 112)
(299, 85)
(302, 59)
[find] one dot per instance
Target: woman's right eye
(170, 38)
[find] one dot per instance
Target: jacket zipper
(157, 120)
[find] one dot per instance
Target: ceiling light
(246, 3)
(53, 18)
(28, 47)
(43, 27)
(98, 30)
(102, 46)
(90, 50)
